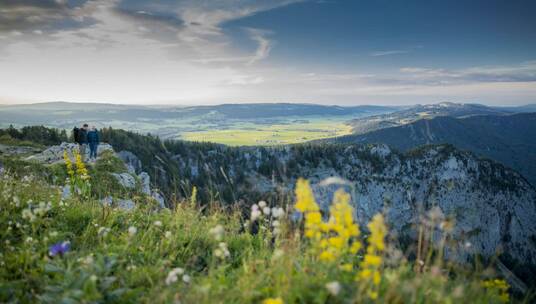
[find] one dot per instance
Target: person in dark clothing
(82, 140)
(76, 135)
(93, 140)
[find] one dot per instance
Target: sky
(344, 52)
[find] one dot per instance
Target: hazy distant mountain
(509, 139)
(63, 114)
(409, 115)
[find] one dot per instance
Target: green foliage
(33, 135)
(131, 257)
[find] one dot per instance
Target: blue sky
(318, 51)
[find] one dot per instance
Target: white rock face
(125, 179)
(54, 154)
(145, 183)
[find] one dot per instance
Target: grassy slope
(107, 264)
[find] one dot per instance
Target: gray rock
(132, 162)
(125, 179)
(66, 192)
(107, 201)
(125, 204)
(145, 183)
(54, 154)
(159, 198)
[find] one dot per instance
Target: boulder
(125, 204)
(145, 183)
(125, 179)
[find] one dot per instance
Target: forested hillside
(509, 139)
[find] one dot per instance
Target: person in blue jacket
(93, 141)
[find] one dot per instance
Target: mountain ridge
(509, 138)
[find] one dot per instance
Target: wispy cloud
(523, 72)
(388, 53)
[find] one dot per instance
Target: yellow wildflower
(193, 198)
(332, 238)
(346, 267)
(273, 301)
(68, 164)
(499, 286)
(80, 166)
(370, 266)
(305, 203)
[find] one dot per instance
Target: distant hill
(409, 115)
(509, 139)
(63, 113)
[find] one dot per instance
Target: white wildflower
(132, 230)
(103, 231)
(217, 232)
(333, 288)
(158, 223)
(168, 234)
(255, 214)
(222, 251)
(262, 204)
(28, 214)
(266, 210)
(186, 278)
(277, 212)
(278, 253)
(172, 276)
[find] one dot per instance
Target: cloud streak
(388, 53)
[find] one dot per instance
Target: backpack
(76, 135)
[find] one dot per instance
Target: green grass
(107, 264)
(272, 134)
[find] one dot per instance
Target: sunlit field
(295, 131)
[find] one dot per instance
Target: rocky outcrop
(128, 180)
(492, 206)
(125, 179)
(54, 154)
(132, 162)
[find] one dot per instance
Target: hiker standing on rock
(82, 140)
(93, 140)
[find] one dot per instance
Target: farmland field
(288, 132)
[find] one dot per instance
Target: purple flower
(59, 248)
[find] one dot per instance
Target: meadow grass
(75, 250)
